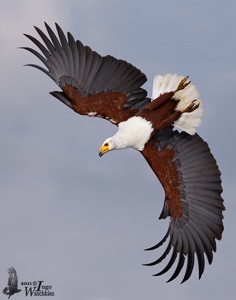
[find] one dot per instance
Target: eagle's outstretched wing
(91, 85)
(191, 179)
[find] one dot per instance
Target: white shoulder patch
(169, 82)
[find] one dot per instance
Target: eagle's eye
(106, 144)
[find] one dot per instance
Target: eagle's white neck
(133, 133)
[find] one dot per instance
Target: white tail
(188, 121)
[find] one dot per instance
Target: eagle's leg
(175, 115)
(170, 120)
(167, 96)
(163, 98)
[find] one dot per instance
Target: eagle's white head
(133, 133)
(108, 145)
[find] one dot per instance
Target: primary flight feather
(110, 88)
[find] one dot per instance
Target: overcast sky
(80, 222)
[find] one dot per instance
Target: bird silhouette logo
(12, 285)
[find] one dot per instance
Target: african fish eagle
(12, 283)
(110, 88)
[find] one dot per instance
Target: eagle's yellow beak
(104, 149)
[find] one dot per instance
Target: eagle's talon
(192, 106)
(182, 85)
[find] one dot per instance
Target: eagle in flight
(12, 285)
(110, 88)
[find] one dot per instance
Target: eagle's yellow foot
(193, 106)
(183, 83)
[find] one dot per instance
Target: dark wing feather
(91, 84)
(191, 180)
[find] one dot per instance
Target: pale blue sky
(79, 222)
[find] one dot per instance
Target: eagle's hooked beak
(104, 149)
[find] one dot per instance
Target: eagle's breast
(133, 133)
